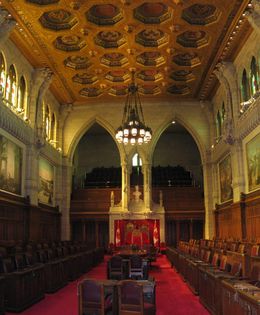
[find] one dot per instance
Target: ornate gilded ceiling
(91, 46)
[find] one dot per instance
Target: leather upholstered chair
(131, 299)
(115, 268)
(91, 298)
(136, 267)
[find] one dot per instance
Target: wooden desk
(127, 253)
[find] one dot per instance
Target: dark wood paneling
(21, 221)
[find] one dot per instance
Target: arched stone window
(21, 95)
(11, 86)
(244, 87)
(136, 160)
(254, 79)
(218, 125)
(47, 122)
(53, 130)
(2, 74)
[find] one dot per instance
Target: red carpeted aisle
(173, 297)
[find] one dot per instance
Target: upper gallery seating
(27, 271)
(218, 270)
(171, 176)
(103, 177)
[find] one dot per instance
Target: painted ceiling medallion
(77, 62)
(201, 14)
(118, 90)
(114, 60)
(58, 20)
(152, 38)
(179, 89)
(104, 14)
(182, 75)
(149, 89)
(43, 2)
(110, 39)
(150, 58)
(85, 78)
(118, 76)
(69, 43)
(90, 92)
(150, 75)
(187, 59)
(152, 13)
(193, 39)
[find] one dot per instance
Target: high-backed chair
(131, 299)
(91, 298)
(115, 268)
(136, 267)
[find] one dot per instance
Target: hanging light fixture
(133, 129)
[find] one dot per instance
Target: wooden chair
(136, 267)
(115, 268)
(91, 298)
(131, 299)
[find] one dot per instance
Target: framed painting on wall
(225, 179)
(253, 163)
(11, 157)
(46, 182)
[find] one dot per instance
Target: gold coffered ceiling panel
(91, 46)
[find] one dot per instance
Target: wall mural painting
(225, 177)
(11, 156)
(46, 182)
(253, 163)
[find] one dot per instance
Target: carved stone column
(208, 197)
(64, 112)
(238, 176)
(65, 202)
(125, 186)
(147, 186)
(253, 15)
(6, 25)
(39, 84)
(227, 76)
(32, 177)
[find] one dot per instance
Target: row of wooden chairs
(205, 264)
(135, 267)
(28, 271)
(124, 297)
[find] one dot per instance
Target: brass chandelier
(133, 129)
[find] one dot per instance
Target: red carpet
(173, 297)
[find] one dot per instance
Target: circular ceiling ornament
(85, 78)
(114, 59)
(77, 62)
(195, 39)
(149, 89)
(150, 58)
(118, 90)
(179, 89)
(58, 20)
(90, 92)
(152, 13)
(201, 14)
(118, 76)
(152, 38)
(187, 59)
(104, 14)
(150, 75)
(110, 39)
(182, 75)
(69, 43)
